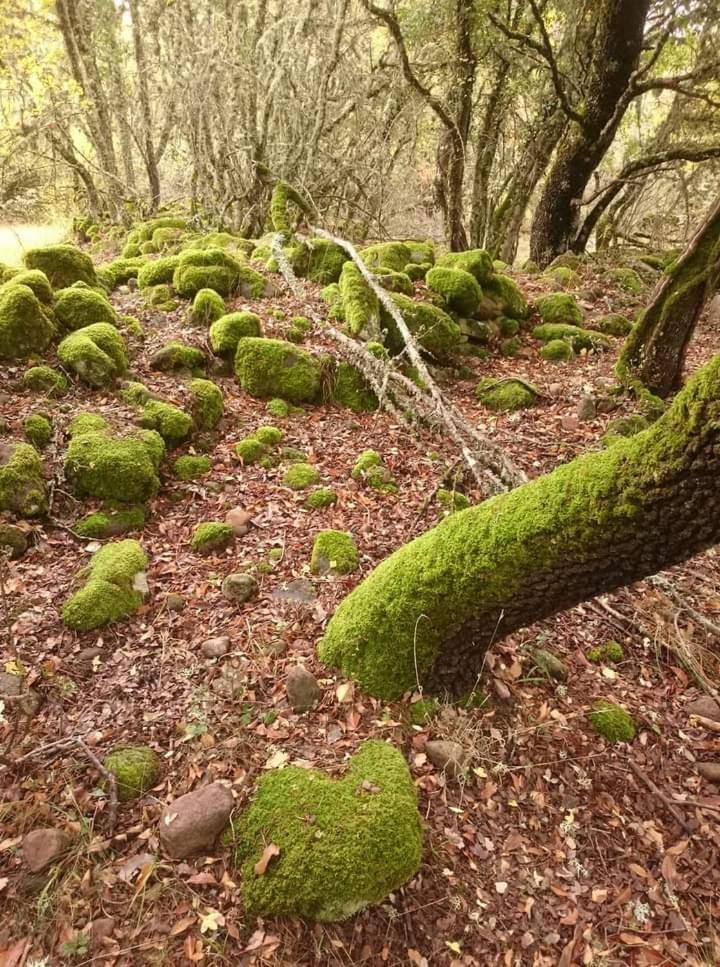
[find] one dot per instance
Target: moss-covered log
(428, 613)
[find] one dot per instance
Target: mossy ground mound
(76, 308)
(112, 589)
(62, 264)
(351, 389)
(559, 307)
(612, 722)
(121, 469)
(505, 395)
(211, 536)
(136, 768)
(175, 356)
(334, 552)
(25, 325)
(22, 487)
(111, 523)
(268, 368)
(46, 380)
(96, 354)
(457, 288)
(172, 423)
(191, 466)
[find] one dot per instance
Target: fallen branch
(660, 795)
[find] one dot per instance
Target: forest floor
(557, 848)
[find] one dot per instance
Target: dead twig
(660, 795)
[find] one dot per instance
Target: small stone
(239, 587)
(13, 540)
(570, 423)
(215, 647)
(303, 690)
(175, 602)
(585, 408)
(710, 771)
(192, 823)
(85, 660)
(555, 388)
(42, 847)
(550, 665)
(705, 706)
(275, 648)
(604, 404)
(299, 591)
(100, 930)
(231, 683)
(447, 756)
(239, 520)
(10, 685)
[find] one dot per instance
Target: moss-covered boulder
(173, 424)
(579, 339)
(207, 307)
(191, 466)
(206, 404)
(76, 308)
(395, 281)
(25, 325)
(626, 279)
(505, 395)
(120, 469)
(13, 540)
(325, 261)
(111, 523)
(562, 278)
(22, 488)
(216, 269)
(267, 368)
(433, 328)
(334, 552)
(559, 307)
(160, 297)
(178, 356)
(158, 272)
(557, 351)
(250, 450)
(369, 468)
(613, 324)
(321, 498)
(119, 272)
(38, 430)
(364, 840)
(457, 288)
(508, 295)
(623, 427)
(612, 722)
(476, 261)
(135, 393)
(212, 536)
(113, 589)
(300, 475)
(360, 305)
(36, 281)
(351, 389)
(136, 768)
(96, 354)
(227, 331)
(45, 380)
(62, 264)
(387, 255)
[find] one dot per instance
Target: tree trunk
(426, 616)
(615, 55)
(654, 352)
(149, 154)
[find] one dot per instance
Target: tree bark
(654, 352)
(426, 616)
(149, 154)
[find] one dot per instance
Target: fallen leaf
(211, 920)
(267, 854)
(182, 925)
(501, 887)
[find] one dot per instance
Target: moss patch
(191, 466)
(300, 475)
(250, 450)
(578, 338)
(111, 523)
(206, 404)
(22, 488)
(350, 388)
(334, 552)
(38, 430)
(211, 536)
(557, 350)
(76, 308)
(506, 395)
(360, 305)
(25, 326)
(62, 264)
(611, 651)
(174, 356)
(110, 591)
(322, 497)
(207, 307)
(227, 331)
(433, 328)
(269, 368)
(457, 288)
(159, 272)
(117, 469)
(612, 722)
(45, 380)
(172, 423)
(559, 307)
(136, 769)
(97, 354)
(614, 324)
(476, 261)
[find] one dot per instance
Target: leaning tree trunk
(654, 352)
(426, 616)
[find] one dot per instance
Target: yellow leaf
(211, 920)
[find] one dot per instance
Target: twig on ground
(660, 795)
(682, 603)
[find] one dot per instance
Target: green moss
(300, 475)
(457, 288)
(250, 450)
(62, 264)
(207, 307)
(612, 722)
(395, 281)
(87, 422)
(422, 711)
(387, 255)
(38, 430)
(160, 297)
(189, 467)
(97, 354)
(510, 347)
(531, 267)
(475, 261)
(172, 423)
(360, 306)
(567, 260)
(22, 488)
(117, 469)
(269, 368)
(77, 308)
(136, 769)
(626, 279)
(293, 455)
(624, 426)
(331, 294)
(434, 330)
(343, 844)
(111, 523)
(227, 331)
(325, 262)
(611, 651)
(25, 326)
(206, 404)
(271, 436)
(557, 350)
(563, 277)
(119, 272)
(452, 500)
(278, 408)
(507, 327)
(214, 268)
(369, 468)
(45, 380)
(158, 272)
(211, 536)
(284, 196)
(36, 281)
(131, 326)
(417, 271)
(334, 552)
(365, 462)
(178, 356)
(13, 541)
(131, 250)
(560, 308)
(320, 498)
(134, 393)
(110, 589)
(504, 395)
(508, 295)
(351, 389)
(578, 338)
(613, 324)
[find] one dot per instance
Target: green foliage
(109, 592)
(320, 498)
(117, 469)
(278, 408)
(136, 768)
(22, 488)
(300, 475)
(422, 711)
(560, 308)
(211, 536)
(268, 368)
(365, 838)
(350, 388)
(45, 380)
(227, 331)
(119, 271)
(97, 354)
(25, 326)
(504, 395)
(557, 350)
(207, 307)
(206, 404)
(38, 430)
(334, 552)
(62, 264)
(457, 288)
(172, 423)
(612, 722)
(476, 261)
(77, 308)
(190, 466)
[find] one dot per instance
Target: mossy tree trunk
(427, 615)
(654, 352)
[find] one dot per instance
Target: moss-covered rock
(452, 501)
(395, 281)
(76, 308)
(433, 328)
(365, 462)
(97, 354)
(625, 426)
(457, 288)
(560, 308)
(278, 408)
(134, 393)
(119, 272)
(364, 840)
(387, 255)
(613, 324)
(506, 327)
(557, 351)
(160, 297)
(212, 536)
(562, 278)
(476, 261)
(334, 552)
(417, 271)
(62, 264)
(567, 260)
(136, 768)
(360, 305)
(206, 404)
(269, 368)
(216, 269)
(45, 380)
(36, 281)
(300, 475)
(22, 488)
(508, 295)
(250, 450)
(207, 307)
(505, 395)
(191, 466)
(111, 523)
(626, 279)
(158, 272)
(578, 338)
(320, 498)
(118, 469)
(227, 331)
(112, 589)
(612, 722)
(25, 326)
(38, 430)
(611, 651)
(325, 262)
(177, 356)
(370, 469)
(350, 388)
(13, 540)
(172, 423)
(87, 422)
(270, 436)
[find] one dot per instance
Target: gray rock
(215, 647)
(449, 757)
(275, 648)
(239, 520)
(550, 665)
(710, 771)
(299, 591)
(43, 847)
(10, 685)
(706, 706)
(585, 408)
(239, 587)
(303, 690)
(232, 682)
(85, 660)
(175, 602)
(192, 823)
